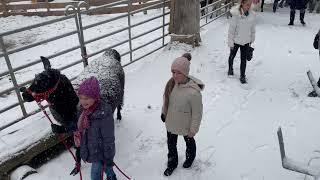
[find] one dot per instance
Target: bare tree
(185, 21)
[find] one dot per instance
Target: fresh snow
(237, 137)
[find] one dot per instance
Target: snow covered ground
(237, 137)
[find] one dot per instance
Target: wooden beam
(4, 7)
(27, 154)
(40, 5)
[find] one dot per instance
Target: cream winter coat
(242, 28)
(185, 107)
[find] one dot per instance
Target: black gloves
(76, 169)
(163, 117)
(23, 89)
(58, 129)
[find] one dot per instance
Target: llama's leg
(119, 117)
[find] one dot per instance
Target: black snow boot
(187, 163)
(281, 3)
(302, 12)
(275, 5)
(292, 15)
(230, 72)
(243, 79)
(313, 94)
(114, 177)
(261, 7)
(169, 171)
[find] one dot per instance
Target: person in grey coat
(95, 133)
(183, 113)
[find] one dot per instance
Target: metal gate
(158, 38)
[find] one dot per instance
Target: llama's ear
(46, 63)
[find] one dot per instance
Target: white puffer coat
(242, 29)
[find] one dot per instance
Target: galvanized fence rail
(76, 13)
(215, 10)
(218, 8)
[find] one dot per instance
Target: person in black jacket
(316, 45)
(300, 5)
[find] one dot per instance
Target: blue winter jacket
(298, 4)
(97, 142)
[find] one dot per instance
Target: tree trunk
(185, 21)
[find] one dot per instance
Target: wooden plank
(40, 5)
(57, 9)
(26, 155)
(38, 13)
(10, 1)
(103, 2)
(124, 9)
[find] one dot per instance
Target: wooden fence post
(48, 7)
(4, 6)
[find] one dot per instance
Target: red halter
(45, 95)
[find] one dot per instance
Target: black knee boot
(261, 7)
(292, 15)
(232, 55)
(275, 5)
(190, 151)
(172, 153)
(302, 12)
(281, 3)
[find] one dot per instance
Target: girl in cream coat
(184, 113)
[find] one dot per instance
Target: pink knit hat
(182, 65)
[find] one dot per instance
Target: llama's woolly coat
(109, 72)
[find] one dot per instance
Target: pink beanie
(182, 65)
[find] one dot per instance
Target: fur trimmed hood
(196, 83)
(235, 11)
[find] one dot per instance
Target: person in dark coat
(300, 5)
(95, 134)
(316, 45)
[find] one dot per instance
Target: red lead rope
(122, 172)
(61, 138)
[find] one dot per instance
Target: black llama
(62, 95)
(57, 89)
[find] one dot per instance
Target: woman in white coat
(240, 35)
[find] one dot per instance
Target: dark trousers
(243, 58)
(293, 13)
(172, 149)
(262, 3)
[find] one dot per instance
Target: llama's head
(44, 83)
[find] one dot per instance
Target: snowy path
(237, 138)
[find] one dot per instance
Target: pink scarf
(84, 123)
